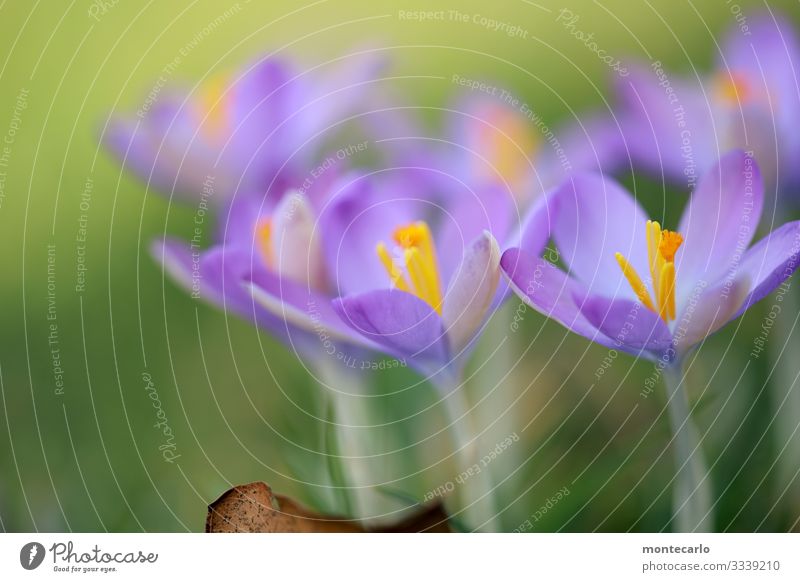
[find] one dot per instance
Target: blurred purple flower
(652, 292)
(679, 126)
(277, 244)
(252, 131)
(497, 139)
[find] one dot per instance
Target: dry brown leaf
(253, 508)
(429, 519)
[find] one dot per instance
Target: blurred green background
(238, 401)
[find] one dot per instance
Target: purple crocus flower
(422, 286)
(679, 126)
(646, 290)
(270, 248)
(656, 293)
(405, 274)
(494, 138)
(253, 131)
(366, 264)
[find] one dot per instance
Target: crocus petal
(708, 310)
(532, 236)
(301, 308)
(666, 137)
(596, 219)
(263, 95)
(295, 242)
(592, 143)
(720, 219)
(256, 144)
(770, 262)
(161, 149)
(176, 258)
(214, 276)
(355, 221)
(339, 88)
(238, 221)
(633, 327)
(768, 56)
(550, 291)
(470, 294)
(402, 324)
(536, 227)
(499, 142)
(753, 127)
(468, 215)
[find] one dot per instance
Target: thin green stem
(351, 416)
(691, 498)
(474, 482)
(783, 343)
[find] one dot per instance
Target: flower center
(734, 89)
(212, 108)
(264, 234)
(508, 144)
(661, 248)
(416, 271)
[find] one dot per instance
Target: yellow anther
(416, 272)
(655, 259)
(421, 266)
(666, 292)
(661, 248)
(395, 274)
(264, 234)
(635, 281)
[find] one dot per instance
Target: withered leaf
(429, 519)
(254, 508)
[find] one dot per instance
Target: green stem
(474, 482)
(691, 498)
(354, 440)
(782, 345)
